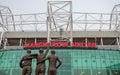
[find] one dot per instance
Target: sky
(40, 6)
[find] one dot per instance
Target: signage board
(60, 44)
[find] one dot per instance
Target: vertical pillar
(5, 43)
(118, 42)
(20, 42)
(86, 42)
(71, 23)
(35, 40)
(1, 36)
(101, 41)
(48, 30)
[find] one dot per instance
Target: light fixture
(116, 72)
(82, 72)
(99, 72)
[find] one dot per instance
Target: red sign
(60, 44)
(38, 44)
(83, 44)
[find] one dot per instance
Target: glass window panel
(74, 61)
(100, 72)
(115, 72)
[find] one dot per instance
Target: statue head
(41, 50)
(53, 52)
(29, 51)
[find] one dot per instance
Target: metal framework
(60, 17)
(115, 18)
(30, 22)
(81, 22)
(6, 18)
(115, 21)
(91, 21)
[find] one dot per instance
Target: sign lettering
(60, 44)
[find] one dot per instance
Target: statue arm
(31, 57)
(48, 47)
(60, 62)
(44, 59)
(20, 63)
(34, 55)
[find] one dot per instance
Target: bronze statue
(40, 68)
(26, 62)
(52, 63)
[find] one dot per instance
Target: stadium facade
(87, 43)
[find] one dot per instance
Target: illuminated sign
(60, 44)
(83, 44)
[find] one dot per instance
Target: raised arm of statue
(48, 47)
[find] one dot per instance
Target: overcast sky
(39, 6)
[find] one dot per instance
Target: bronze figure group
(26, 62)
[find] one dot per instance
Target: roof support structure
(60, 17)
(115, 18)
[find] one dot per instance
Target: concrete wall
(56, 34)
(77, 34)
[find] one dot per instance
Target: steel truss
(81, 22)
(6, 18)
(30, 22)
(115, 18)
(60, 18)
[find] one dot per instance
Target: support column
(5, 43)
(1, 36)
(101, 41)
(20, 42)
(86, 42)
(118, 42)
(60, 17)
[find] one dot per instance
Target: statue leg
(29, 70)
(28, 73)
(54, 72)
(43, 72)
(49, 72)
(24, 71)
(37, 72)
